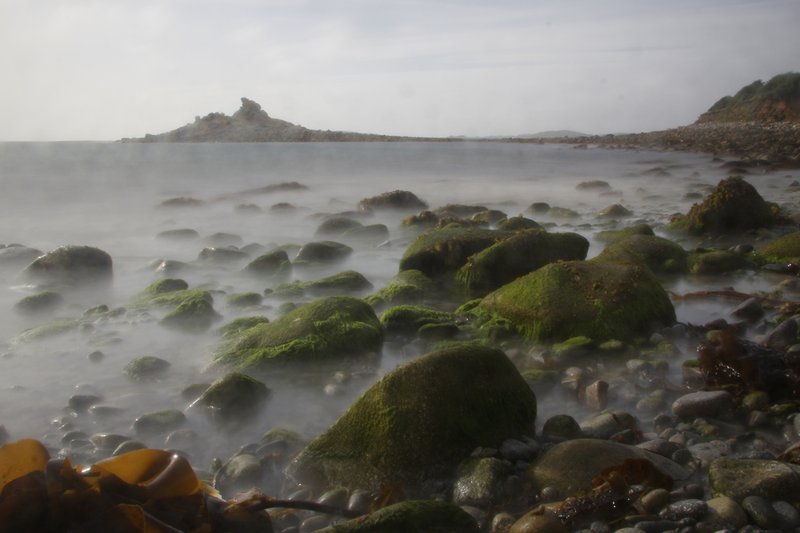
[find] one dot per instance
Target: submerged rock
(192, 315)
(412, 515)
(420, 420)
(269, 264)
(146, 368)
(784, 249)
(233, 398)
(323, 252)
(42, 302)
(739, 478)
(72, 265)
(323, 330)
(594, 299)
(183, 234)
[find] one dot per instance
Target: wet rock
(703, 403)
(516, 450)
(739, 478)
(146, 368)
(660, 255)
(233, 398)
(191, 316)
(39, 303)
(724, 512)
(440, 251)
(518, 223)
(751, 309)
(559, 428)
(407, 287)
(238, 325)
(538, 523)
(420, 420)
(282, 207)
(716, 262)
(604, 425)
(221, 240)
(184, 234)
(323, 252)
(538, 208)
(690, 508)
(80, 403)
(761, 512)
(72, 265)
(596, 395)
(598, 300)
(569, 467)
(654, 500)
(782, 336)
(324, 330)
(562, 212)
(479, 482)
(593, 185)
(159, 422)
(181, 201)
(517, 255)
(270, 264)
(245, 299)
(335, 226)
(406, 320)
(18, 256)
(411, 515)
(345, 282)
(612, 235)
(53, 328)
(372, 234)
(394, 200)
(788, 515)
(733, 206)
(240, 473)
(222, 255)
(784, 249)
(615, 211)
(128, 446)
(488, 217)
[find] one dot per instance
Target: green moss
(572, 347)
(517, 255)
(660, 255)
(169, 299)
(327, 328)
(444, 250)
(420, 420)
(785, 249)
(236, 326)
(53, 328)
(234, 396)
(540, 376)
(165, 285)
(613, 235)
(147, 367)
(420, 516)
(595, 299)
(716, 262)
(245, 299)
(562, 212)
(349, 281)
(407, 287)
(406, 320)
(274, 263)
(39, 303)
(192, 315)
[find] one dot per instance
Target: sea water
(108, 195)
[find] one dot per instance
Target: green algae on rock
(233, 397)
(734, 205)
(420, 420)
(420, 516)
(660, 255)
(440, 251)
(784, 249)
(739, 478)
(715, 262)
(273, 263)
(72, 265)
(407, 287)
(612, 235)
(192, 315)
(53, 328)
(237, 325)
(517, 255)
(146, 367)
(322, 330)
(406, 320)
(595, 299)
(39, 303)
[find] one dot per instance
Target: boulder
(221, 255)
(335, 226)
(323, 252)
(269, 264)
(396, 200)
(72, 265)
(660, 255)
(183, 234)
(407, 287)
(192, 315)
(570, 466)
(739, 478)
(784, 249)
(594, 299)
(715, 262)
(733, 206)
(479, 481)
(518, 255)
(323, 330)
(441, 251)
(233, 398)
(17, 256)
(348, 281)
(372, 234)
(146, 368)
(423, 516)
(406, 320)
(420, 420)
(518, 223)
(611, 235)
(238, 325)
(39, 303)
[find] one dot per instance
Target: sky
(107, 69)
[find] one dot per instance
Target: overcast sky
(106, 69)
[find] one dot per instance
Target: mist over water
(107, 195)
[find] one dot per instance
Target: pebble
(788, 515)
(690, 508)
(702, 403)
(654, 500)
(502, 522)
(725, 512)
(761, 512)
(516, 450)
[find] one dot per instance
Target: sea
(109, 195)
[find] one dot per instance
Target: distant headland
(761, 122)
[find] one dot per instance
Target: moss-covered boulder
(192, 315)
(393, 200)
(739, 478)
(164, 286)
(407, 287)
(269, 264)
(518, 255)
(326, 329)
(419, 516)
(406, 320)
(233, 398)
(71, 265)
(238, 325)
(570, 466)
(439, 251)
(53, 328)
(785, 249)
(660, 255)
(733, 206)
(518, 223)
(594, 299)
(323, 252)
(39, 303)
(335, 226)
(715, 262)
(244, 299)
(146, 368)
(611, 235)
(419, 421)
(348, 281)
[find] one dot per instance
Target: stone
(272, 263)
(538, 523)
(240, 473)
(420, 420)
(394, 200)
(411, 515)
(739, 478)
(72, 265)
(660, 255)
(323, 252)
(479, 482)
(703, 404)
(39, 303)
(558, 428)
(336, 226)
(724, 512)
(159, 422)
(441, 251)
(182, 234)
(222, 255)
(761, 512)
(146, 368)
(233, 398)
(191, 316)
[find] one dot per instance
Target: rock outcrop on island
(777, 100)
(252, 124)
